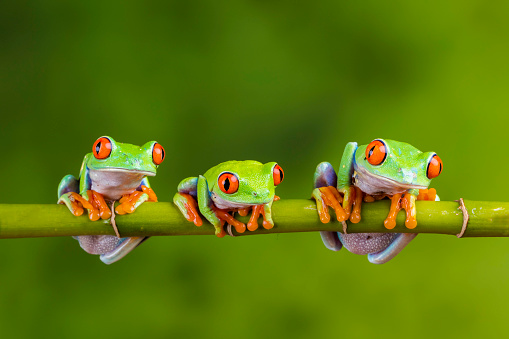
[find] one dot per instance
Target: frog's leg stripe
(325, 175)
(392, 250)
(189, 186)
(331, 240)
(68, 184)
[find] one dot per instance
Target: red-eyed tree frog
(232, 186)
(383, 168)
(112, 172)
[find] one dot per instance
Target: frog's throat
(124, 170)
(374, 184)
(226, 205)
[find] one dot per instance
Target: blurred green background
(266, 80)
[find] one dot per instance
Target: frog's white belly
(112, 184)
(376, 185)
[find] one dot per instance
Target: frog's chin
(373, 184)
(124, 170)
(226, 205)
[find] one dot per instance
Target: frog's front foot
(265, 211)
(95, 204)
(129, 202)
(400, 201)
(329, 197)
(225, 216)
(188, 206)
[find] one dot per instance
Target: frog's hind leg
(109, 247)
(325, 176)
(69, 185)
(185, 200)
(401, 240)
(124, 246)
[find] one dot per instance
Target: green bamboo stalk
(486, 219)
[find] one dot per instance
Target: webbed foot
(129, 202)
(95, 204)
(188, 206)
(400, 201)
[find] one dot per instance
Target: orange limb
(266, 224)
(408, 204)
(330, 197)
(427, 194)
(98, 201)
(127, 203)
(252, 225)
(243, 211)
(77, 203)
(192, 209)
(151, 195)
(276, 198)
(224, 216)
(348, 198)
(355, 216)
(390, 221)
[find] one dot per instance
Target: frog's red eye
(376, 152)
(278, 175)
(158, 154)
(102, 148)
(228, 183)
(434, 167)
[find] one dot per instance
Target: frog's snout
(261, 193)
(408, 175)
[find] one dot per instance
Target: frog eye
(102, 148)
(228, 183)
(278, 174)
(376, 152)
(434, 167)
(157, 154)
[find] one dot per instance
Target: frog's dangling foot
(188, 206)
(329, 196)
(224, 216)
(401, 240)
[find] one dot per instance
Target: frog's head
(240, 183)
(108, 155)
(398, 164)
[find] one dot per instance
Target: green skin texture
(129, 165)
(403, 171)
(256, 187)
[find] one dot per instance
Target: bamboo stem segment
(486, 219)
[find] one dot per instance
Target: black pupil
(226, 184)
(281, 175)
(162, 154)
(98, 147)
(371, 151)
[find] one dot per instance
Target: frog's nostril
(255, 194)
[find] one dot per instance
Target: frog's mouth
(123, 170)
(372, 183)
